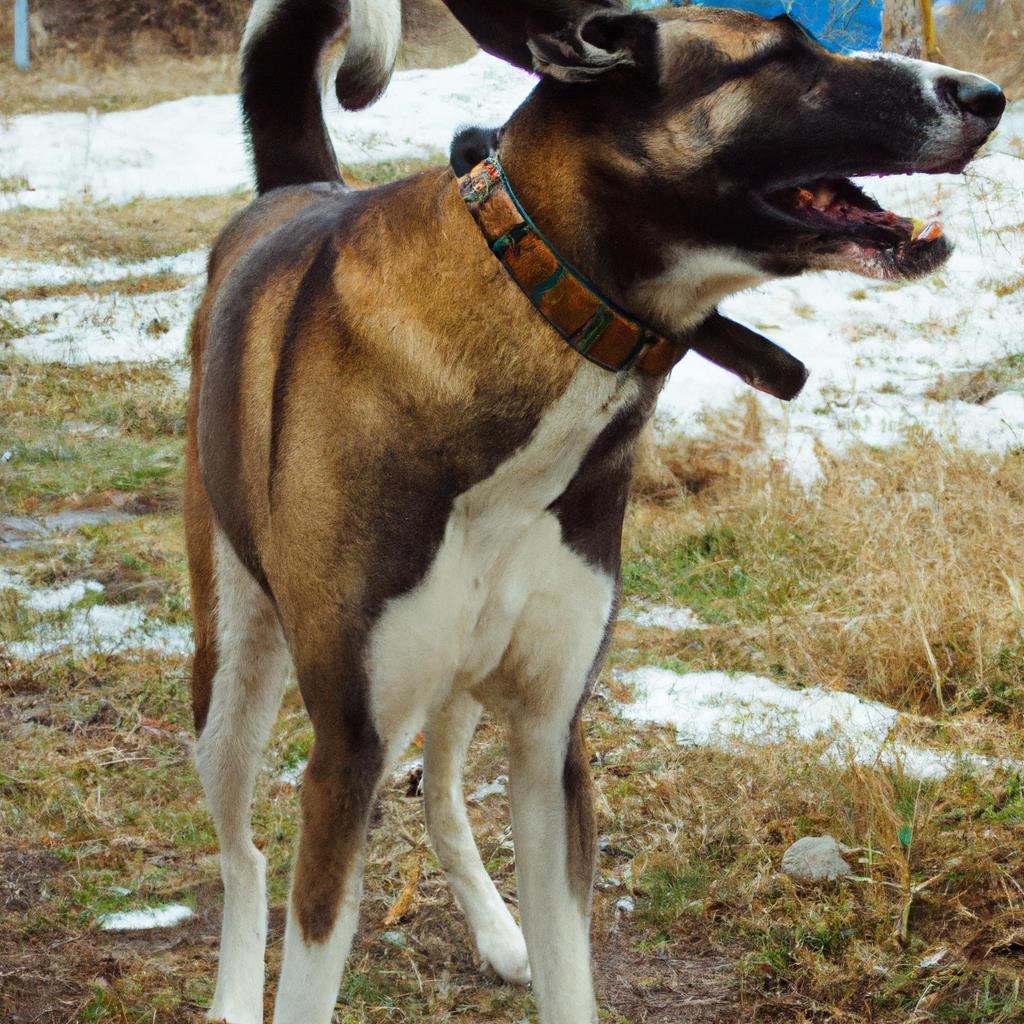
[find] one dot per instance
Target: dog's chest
(502, 548)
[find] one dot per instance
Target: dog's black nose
(973, 95)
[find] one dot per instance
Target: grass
(143, 284)
(78, 435)
(101, 808)
(140, 230)
(897, 575)
(981, 384)
(146, 228)
(66, 80)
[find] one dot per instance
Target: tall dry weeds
(899, 575)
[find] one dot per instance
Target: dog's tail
(281, 101)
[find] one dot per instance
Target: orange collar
(588, 322)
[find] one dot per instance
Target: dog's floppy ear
(504, 27)
(601, 43)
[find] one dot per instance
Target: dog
(414, 409)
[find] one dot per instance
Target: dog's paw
(234, 1011)
(503, 950)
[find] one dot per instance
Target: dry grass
(62, 80)
(979, 385)
(898, 577)
(101, 808)
(141, 285)
(147, 228)
(118, 26)
(139, 230)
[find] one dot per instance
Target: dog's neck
(586, 320)
(598, 220)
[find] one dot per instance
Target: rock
(816, 859)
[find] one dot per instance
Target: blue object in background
(21, 54)
(839, 25)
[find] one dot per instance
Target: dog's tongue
(752, 357)
(926, 230)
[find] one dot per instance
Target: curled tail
(281, 101)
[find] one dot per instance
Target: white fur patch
(692, 285)
(259, 17)
(311, 971)
(252, 667)
(499, 546)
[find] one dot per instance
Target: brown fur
(297, 371)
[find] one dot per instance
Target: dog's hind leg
(345, 767)
(248, 675)
(498, 938)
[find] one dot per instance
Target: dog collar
(585, 319)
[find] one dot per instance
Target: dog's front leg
(552, 805)
(553, 821)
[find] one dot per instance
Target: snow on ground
(154, 917)
(194, 146)
(90, 628)
(27, 274)
(717, 709)
(103, 327)
(661, 616)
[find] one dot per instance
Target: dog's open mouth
(847, 230)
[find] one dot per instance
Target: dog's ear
(505, 27)
(470, 146)
(599, 44)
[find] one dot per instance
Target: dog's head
(717, 148)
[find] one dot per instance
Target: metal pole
(21, 54)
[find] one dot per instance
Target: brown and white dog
(402, 482)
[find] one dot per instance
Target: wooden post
(931, 39)
(903, 27)
(21, 52)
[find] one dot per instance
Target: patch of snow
(413, 764)
(30, 273)
(934, 959)
(105, 328)
(194, 146)
(154, 917)
(717, 709)
(106, 629)
(53, 599)
(8, 581)
(661, 616)
(292, 775)
(495, 788)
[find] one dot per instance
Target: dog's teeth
(823, 196)
(926, 230)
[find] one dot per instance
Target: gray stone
(816, 859)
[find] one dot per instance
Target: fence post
(21, 54)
